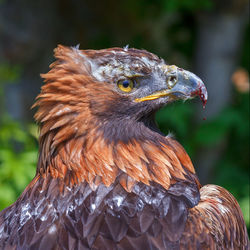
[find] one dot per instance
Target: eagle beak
(180, 84)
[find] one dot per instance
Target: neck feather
(94, 158)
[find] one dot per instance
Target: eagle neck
(137, 155)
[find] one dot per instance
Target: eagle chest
(107, 218)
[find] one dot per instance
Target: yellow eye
(125, 85)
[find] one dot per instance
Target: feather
(216, 222)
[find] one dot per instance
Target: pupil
(172, 78)
(125, 83)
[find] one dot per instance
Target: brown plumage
(107, 178)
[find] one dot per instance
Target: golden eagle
(107, 178)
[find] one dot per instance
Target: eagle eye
(125, 85)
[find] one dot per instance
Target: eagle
(107, 177)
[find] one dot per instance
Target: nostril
(171, 81)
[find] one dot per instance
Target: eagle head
(139, 82)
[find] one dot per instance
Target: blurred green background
(207, 37)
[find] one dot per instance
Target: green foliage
(9, 73)
(176, 117)
(173, 5)
(18, 157)
(18, 150)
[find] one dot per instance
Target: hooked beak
(180, 84)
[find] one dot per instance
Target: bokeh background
(207, 37)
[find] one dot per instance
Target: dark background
(207, 37)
